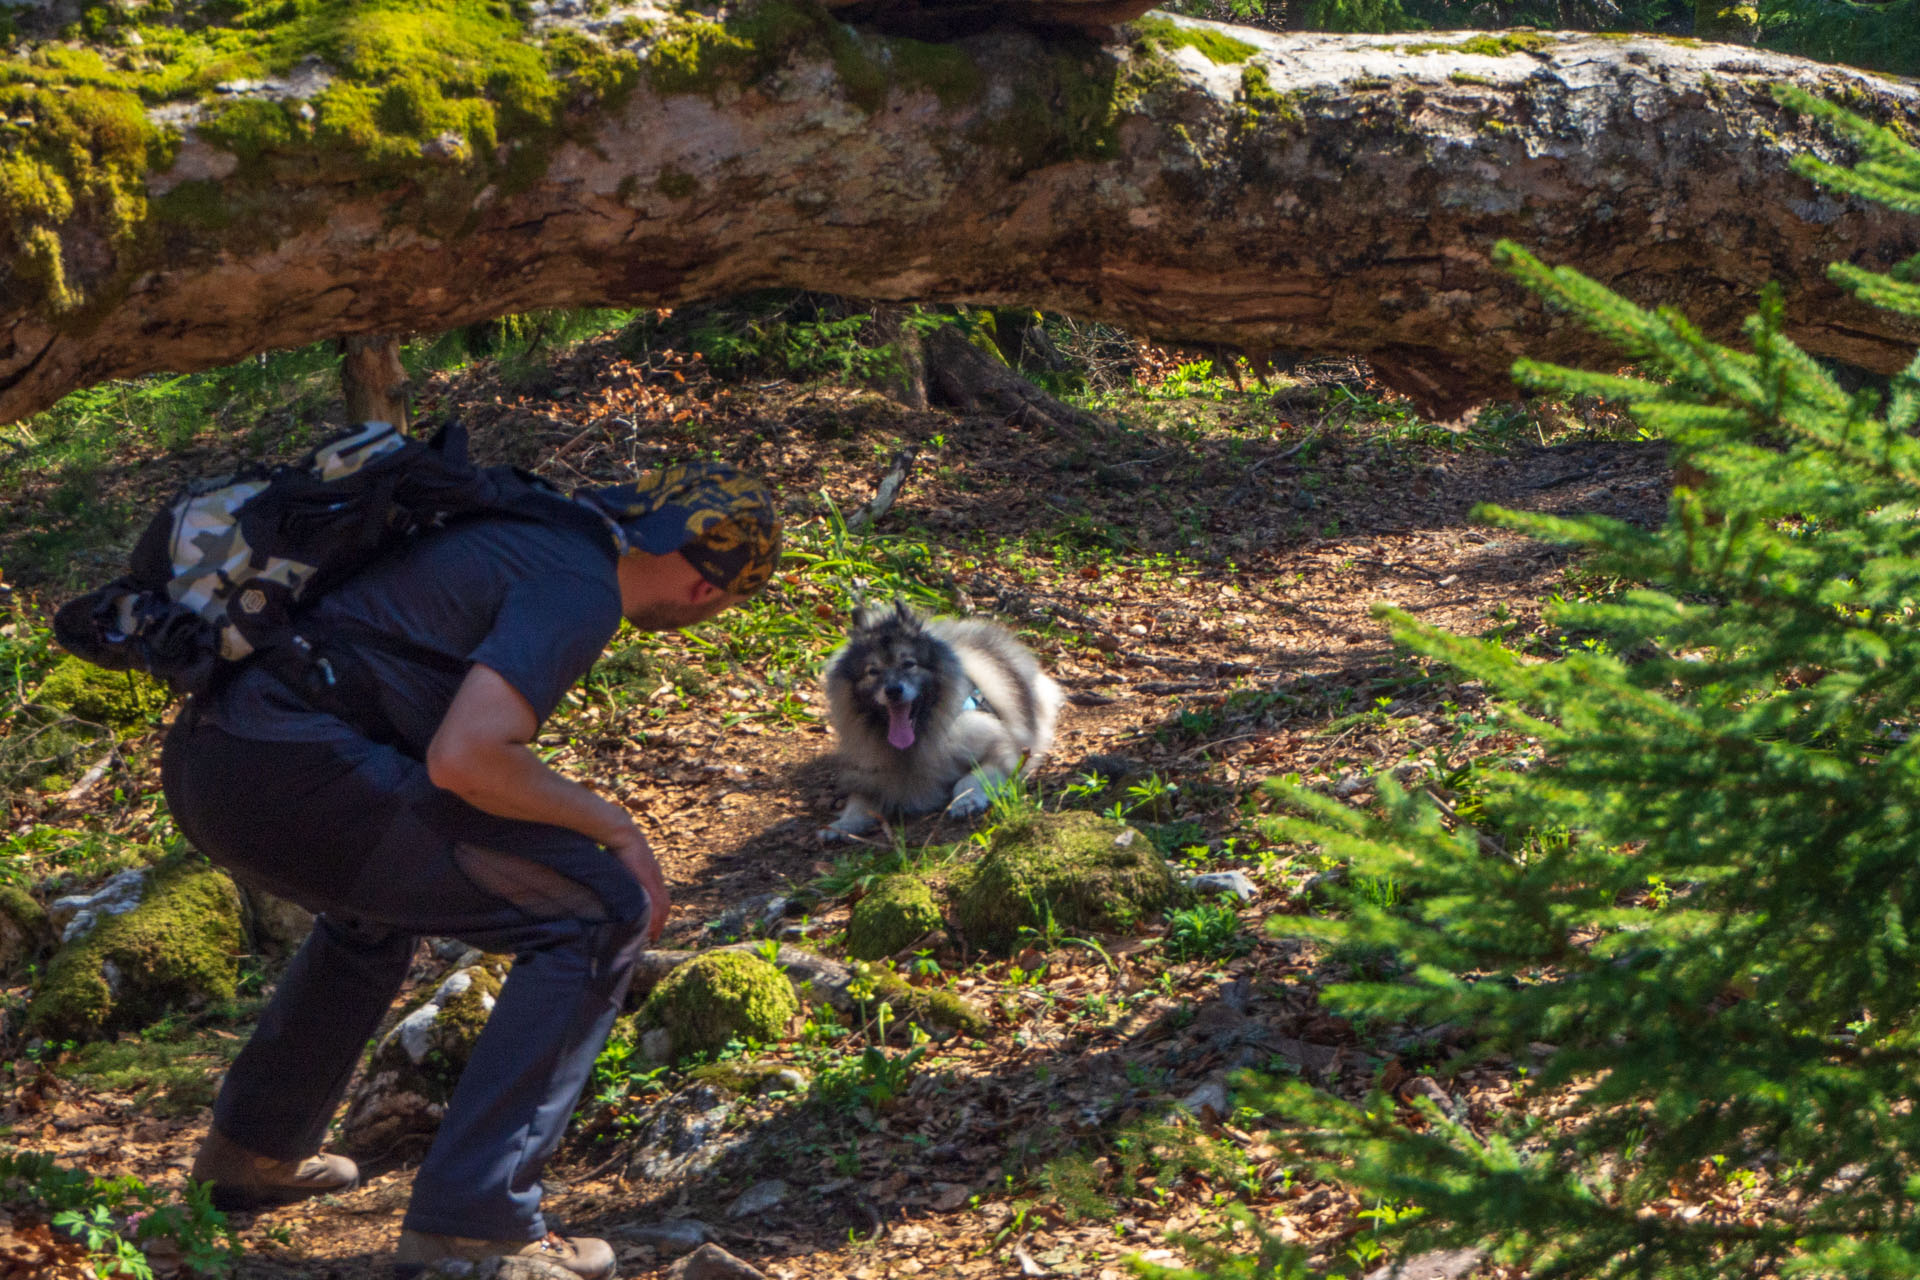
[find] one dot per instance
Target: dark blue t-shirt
(535, 602)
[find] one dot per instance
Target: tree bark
(373, 380)
(1324, 194)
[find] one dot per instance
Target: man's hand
(481, 754)
(637, 857)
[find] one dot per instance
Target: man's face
(674, 614)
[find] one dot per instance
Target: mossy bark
(177, 950)
(1297, 191)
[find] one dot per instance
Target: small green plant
(1205, 931)
(110, 1216)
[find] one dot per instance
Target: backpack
(223, 571)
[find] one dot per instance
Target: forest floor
(1197, 575)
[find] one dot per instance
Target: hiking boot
(243, 1180)
(586, 1257)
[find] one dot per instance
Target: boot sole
(231, 1200)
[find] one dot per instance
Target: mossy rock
(117, 699)
(1084, 871)
(718, 997)
(413, 1070)
(437, 1036)
(25, 929)
(897, 911)
(177, 950)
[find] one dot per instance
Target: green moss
(1165, 33)
(118, 699)
(700, 56)
(1069, 106)
(1078, 869)
(1463, 77)
(177, 949)
(695, 55)
(743, 1077)
(172, 1068)
(19, 906)
(931, 1008)
(718, 997)
(24, 928)
(74, 153)
(1261, 103)
(895, 913)
(675, 184)
(1494, 45)
(76, 145)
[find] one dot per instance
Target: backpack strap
(320, 664)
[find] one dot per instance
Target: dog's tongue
(900, 725)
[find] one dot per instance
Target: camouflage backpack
(221, 572)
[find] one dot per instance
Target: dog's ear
(865, 617)
(905, 613)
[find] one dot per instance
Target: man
(430, 814)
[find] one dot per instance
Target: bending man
(430, 814)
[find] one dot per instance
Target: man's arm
(481, 753)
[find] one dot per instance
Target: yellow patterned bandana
(722, 521)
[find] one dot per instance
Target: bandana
(722, 521)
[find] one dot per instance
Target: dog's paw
(832, 835)
(968, 804)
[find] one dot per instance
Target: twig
(883, 497)
(90, 779)
(619, 1156)
(1487, 843)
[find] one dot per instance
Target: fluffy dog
(929, 713)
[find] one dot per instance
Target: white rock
(758, 1198)
(1208, 1102)
(1233, 882)
(77, 914)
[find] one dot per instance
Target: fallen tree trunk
(1189, 181)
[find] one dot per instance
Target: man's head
(695, 539)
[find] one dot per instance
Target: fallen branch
(889, 490)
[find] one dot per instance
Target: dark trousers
(357, 833)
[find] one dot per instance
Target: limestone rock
(711, 1262)
(758, 1198)
(176, 947)
(416, 1064)
(683, 1135)
(1237, 883)
(76, 914)
(672, 1238)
